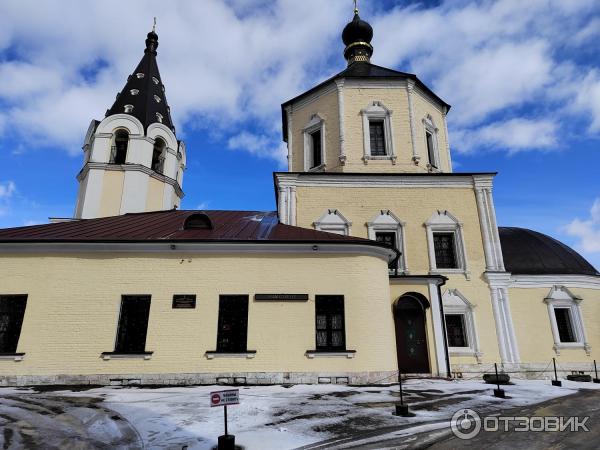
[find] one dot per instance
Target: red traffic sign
(223, 398)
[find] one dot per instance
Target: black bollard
(556, 381)
(226, 441)
(596, 380)
(498, 392)
(401, 408)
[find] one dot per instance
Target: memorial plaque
(184, 302)
(281, 297)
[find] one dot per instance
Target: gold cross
(154, 26)
(356, 6)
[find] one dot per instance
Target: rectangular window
(12, 310)
(430, 149)
(564, 324)
(317, 159)
(388, 238)
(232, 331)
(456, 330)
(133, 324)
(445, 251)
(377, 137)
(330, 328)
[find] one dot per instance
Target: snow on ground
(277, 417)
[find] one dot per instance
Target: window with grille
(330, 327)
(377, 137)
(232, 331)
(445, 251)
(388, 238)
(565, 325)
(119, 149)
(12, 310)
(430, 149)
(317, 159)
(133, 324)
(456, 330)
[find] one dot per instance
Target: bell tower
(133, 161)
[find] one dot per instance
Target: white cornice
(187, 248)
(374, 180)
(548, 281)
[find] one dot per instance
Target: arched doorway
(411, 335)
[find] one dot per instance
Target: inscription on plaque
(281, 297)
(184, 301)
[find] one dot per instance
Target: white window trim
(430, 127)
(378, 111)
(387, 221)
(445, 222)
(456, 303)
(561, 297)
(316, 123)
(332, 221)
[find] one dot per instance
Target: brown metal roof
(236, 226)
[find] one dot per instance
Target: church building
(379, 259)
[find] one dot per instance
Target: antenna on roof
(154, 26)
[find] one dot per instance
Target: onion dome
(357, 36)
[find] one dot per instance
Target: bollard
(498, 392)
(556, 381)
(226, 442)
(401, 408)
(596, 380)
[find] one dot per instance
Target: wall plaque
(281, 297)
(184, 301)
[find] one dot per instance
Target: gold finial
(154, 26)
(355, 6)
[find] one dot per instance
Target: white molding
(561, 297)
(316, 123)
(378, 111)
(387, 221)
(13, 357)
(340, 354)
(432, 129)
(570, 281)
(341, 122)
(444, 222)
(333, 221)
(377, 181)
(238, 355)
(456, 303)
(438, 331)
(410, 86)
(494, 260)
(201, 248)
(448, 154)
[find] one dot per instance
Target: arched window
(118, 153)
(158, 155)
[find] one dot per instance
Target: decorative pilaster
(410, 86)
(340, 91)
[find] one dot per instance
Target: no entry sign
(224, 398)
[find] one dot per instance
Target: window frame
(430, 128)
(455, 303)
(445, 222)
(159, 162)
(118, 350)
(387, 221)
(329, 312)
(315, 124)
(220, 319)
(333, 221)
(114, 151)
(377, 111)
(17, 332)
(561, 297)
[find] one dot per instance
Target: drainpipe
(439, 288)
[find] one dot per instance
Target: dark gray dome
(528, 252)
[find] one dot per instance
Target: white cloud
(229, 64)
(514, 135)
(587, 231)
(7, 189)
(202, 205)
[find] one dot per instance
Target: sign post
(224, 398)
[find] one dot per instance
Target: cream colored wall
(533, 330)
(73, 309)
(414, 206)
(395, 98)
(327, 108)
(112, 193)
(422, 107)
(154, 201)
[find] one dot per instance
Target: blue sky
(524, 84)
